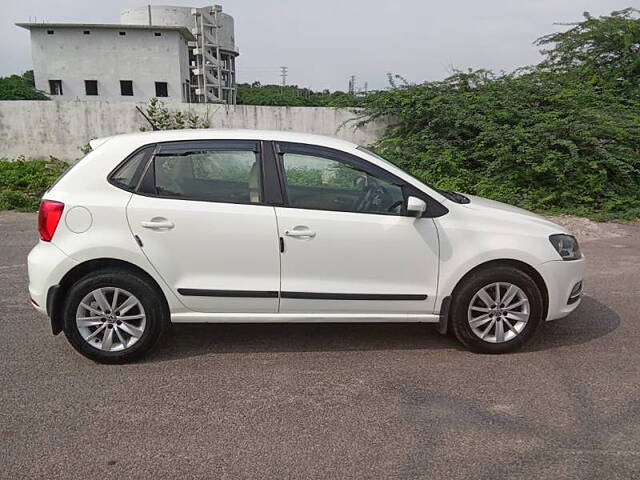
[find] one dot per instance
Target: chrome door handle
(300, 233)
(158, 224)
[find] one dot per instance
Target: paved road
(327, 401)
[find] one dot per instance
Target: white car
(258, 226)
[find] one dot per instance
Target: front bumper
(46, 264)
(561, 278)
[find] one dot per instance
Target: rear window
(128, 174)
(214, 175)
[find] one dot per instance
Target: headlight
(566, 245)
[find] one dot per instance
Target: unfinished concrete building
(176, 53)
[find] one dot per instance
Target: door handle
(158, 224)
(300, 232)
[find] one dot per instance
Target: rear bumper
(47, 265)
(561, 278)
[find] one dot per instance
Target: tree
(605, 49)
(20, 87)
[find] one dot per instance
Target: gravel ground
(585, 229)
(328, 401)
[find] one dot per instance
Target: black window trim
(269, 154)
(139, 172)
(146, 184)
(434, 208)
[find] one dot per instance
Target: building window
(157, 34)
(87, 32)
(122, 34)
(161, 89)
(91, 87)
(55, 87)
(126, 88)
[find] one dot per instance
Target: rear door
(201, 219)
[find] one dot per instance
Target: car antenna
(154, 127)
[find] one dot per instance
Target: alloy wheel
(110, 319)
(498, 312)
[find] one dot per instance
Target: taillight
(48, 218)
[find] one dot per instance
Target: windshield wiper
(454, 196)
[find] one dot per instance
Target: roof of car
(142, 138)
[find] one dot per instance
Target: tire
(512, 327)
(146, 316)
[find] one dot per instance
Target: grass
(23, 182)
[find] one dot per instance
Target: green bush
(23, 182)
(164, 119)
(20, 87)
(563, 136)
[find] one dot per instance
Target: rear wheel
(114, 316)
(496, 310)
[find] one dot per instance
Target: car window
(231, 176)
(128, 174)
(326, 184)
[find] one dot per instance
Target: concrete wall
(108, 57)
(40, 129)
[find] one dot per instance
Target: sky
(324, 42)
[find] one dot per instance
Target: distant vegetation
(23, 182)
(20, 87)
(292, 96)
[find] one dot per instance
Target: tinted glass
(215, 175)
(326, 184)
(127, 175)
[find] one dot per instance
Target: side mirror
(416, 207)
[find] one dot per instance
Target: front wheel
(496, 310)
(114, 316)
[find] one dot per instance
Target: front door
(202, 224)
(349, 247)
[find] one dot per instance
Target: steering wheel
(395, 205)
(373, 199)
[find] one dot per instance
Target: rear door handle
(300, 232)
(158, 224)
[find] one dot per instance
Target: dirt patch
(585, 229)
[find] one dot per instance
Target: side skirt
(195, 317)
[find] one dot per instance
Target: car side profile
(260, 226)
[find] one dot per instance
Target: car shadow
(189, 340)
(590, 321)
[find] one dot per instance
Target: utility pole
(283, 74)
(352, 85)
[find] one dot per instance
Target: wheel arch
(57, 293)
(519, 265)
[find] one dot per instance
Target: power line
(283, 74)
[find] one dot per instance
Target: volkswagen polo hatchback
(258, 226)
